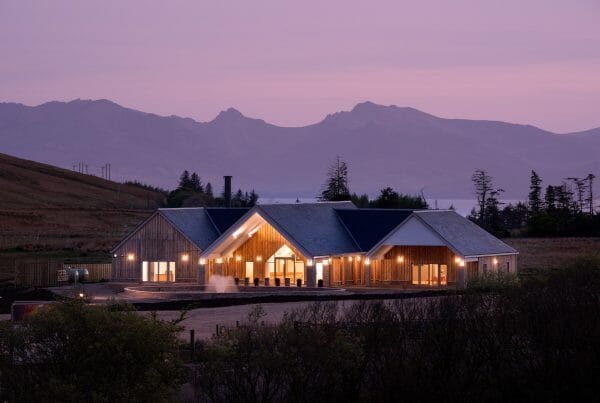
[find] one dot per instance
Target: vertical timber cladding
(156, 241)
(258, 248)
(399, 259)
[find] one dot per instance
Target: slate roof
(368, 226)
(463, 235)
(194, 223)
(223, 218)
(314, 226)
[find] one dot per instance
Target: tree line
(191, 192)
(566, 209)
(336, 188)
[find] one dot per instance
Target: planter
(277, 282)
(299, 282)
(247, 281)
(287, 282)
(267, 281)
(237, 281)
(320, 283)
(255, 282)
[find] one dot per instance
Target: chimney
(227, 191)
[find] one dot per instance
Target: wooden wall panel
(260, 247)
(156, 241)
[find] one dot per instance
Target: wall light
(495, 261)
(130, 256)
(185, 257)
(349, 258)
(202, 262)
(238, 258)
(358, 258)
(259, 258)
(115, 255)
(367, 261)
(400, 259)
(329, 260)
(219, 260)
(309, 262)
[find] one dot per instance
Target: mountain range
(393, 146)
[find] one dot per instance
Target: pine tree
(196, 183)
(184, 179)
(535, 195)
(336, 184)
(483, 187)
(208, 190)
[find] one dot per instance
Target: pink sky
(291, 63)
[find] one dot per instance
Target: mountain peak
(229, 115)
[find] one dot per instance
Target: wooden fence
(44, 274)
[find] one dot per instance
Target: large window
(158, 271)
(284, 264)
(430, 274)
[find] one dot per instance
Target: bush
(76, 352)
(533, 342)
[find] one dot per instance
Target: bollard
(192, 343)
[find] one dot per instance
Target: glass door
(158, 272)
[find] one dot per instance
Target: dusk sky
(291, 63)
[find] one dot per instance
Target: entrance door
(158, 272)
(284, 268)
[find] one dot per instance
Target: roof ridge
(212, 222)
(348, 231)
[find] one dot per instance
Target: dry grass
(552, 253)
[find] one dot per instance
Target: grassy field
(552, 253)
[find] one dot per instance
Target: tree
(77, 352)
(208, 190)
(535, 194)
(590, 198)
(483, 187)
(184, 179)
(389, 198)
(196, 183)
(336, 184)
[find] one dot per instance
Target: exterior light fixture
(400, 259)
(329, 260)
(130, 256)
(202, 262)
(259, 258)
(238, 258)
(309, 262)
(367, 261)
(495, 261)
(81, 295)
(358, 258)
(115, 255)
(185, 257)
(219, 260)
(349, 258)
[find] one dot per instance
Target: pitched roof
(223, 218)
(194, 223)
(314, 226)
(369, 226)
(462, 235)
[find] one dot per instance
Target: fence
(44, 274)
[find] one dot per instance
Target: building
(334, 242)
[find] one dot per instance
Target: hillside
(45, 207)
(383, 145)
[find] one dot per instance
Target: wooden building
(332, 243)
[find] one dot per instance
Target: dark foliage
(75, 352)
(537, 341)
(389, 198)
(191, 192)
